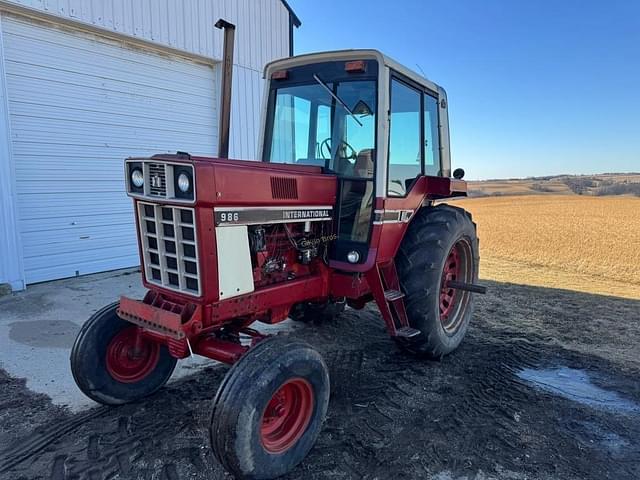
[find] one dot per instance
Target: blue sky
(535, 87)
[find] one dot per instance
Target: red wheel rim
(287, 415)
(448, 296)
(128, 361)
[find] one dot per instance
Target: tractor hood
(223, 182)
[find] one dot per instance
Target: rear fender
(397, 212)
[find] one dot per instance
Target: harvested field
(584, 243)
(517, 187)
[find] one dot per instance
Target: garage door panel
(79, 106)
(98, 241)
(66, 229)
(106, 189)
(99, 238)
(67, 266)
(108, 79)
(21, 74)
(51, 38)
(165, 72)
(114, 151)
(32, 169)
(71, 210)
(97, 135)
(91, 70)
(81, 173)
(85, 254)
(91, 251)
(106, 238)
(75, 225)
(134, 107)
(71, 213)
(80, 99)
(42, 202)
(63, 125)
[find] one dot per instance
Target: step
(393, 295)
(407, 332)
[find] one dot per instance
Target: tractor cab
(374, 124)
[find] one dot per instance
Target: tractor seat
(364, 164)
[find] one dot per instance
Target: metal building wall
(187, 25)
(179, 26)
(11, 265)
(262, 35)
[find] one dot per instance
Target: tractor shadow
(544, 385)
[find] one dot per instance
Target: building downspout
(290, 36)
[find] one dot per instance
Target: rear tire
(105, 365)
(440, 245)
(269, 409)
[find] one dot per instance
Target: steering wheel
(343, 149)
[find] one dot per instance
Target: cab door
(414, 154)
(353, 156)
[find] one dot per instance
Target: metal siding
(262, 25)
(59, 116)
(11, 267)
(262, 35)
(245, 114)
(78, 106)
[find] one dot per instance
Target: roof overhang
(294, 18)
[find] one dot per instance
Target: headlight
(137, 178)
(353, 256)
(184, 182)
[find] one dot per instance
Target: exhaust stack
(227, 74)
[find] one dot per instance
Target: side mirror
(458, 173)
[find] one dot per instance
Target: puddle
(576, 385)
(44, 333)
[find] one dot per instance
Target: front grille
(157, 180)
(170, 248)
(284, 188)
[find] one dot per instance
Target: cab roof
(353, 54)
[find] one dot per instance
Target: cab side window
(405, 150)
(431, 136)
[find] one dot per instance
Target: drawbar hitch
(467, 287)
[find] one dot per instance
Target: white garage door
(79, 105)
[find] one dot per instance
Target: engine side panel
(235, 275)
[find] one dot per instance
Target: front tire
(440, 245)
(110, 368)
(269, 409)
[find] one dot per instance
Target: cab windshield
(325, 122)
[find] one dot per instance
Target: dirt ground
(545, 386)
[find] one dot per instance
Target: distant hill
(596, 185)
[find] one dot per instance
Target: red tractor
(339, 211)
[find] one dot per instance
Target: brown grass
(583, 243)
